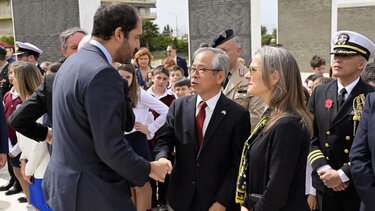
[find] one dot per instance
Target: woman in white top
(144, 128)
(35, 156)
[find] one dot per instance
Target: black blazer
(277, 166)
(3, 130)
(208, 173)
(182, 63)
(4, 80)
(333, 131)
(23, 119)
(362, 156)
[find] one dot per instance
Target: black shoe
(22, 199)
(13, 190)
(7, 186)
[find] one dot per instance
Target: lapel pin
(223, 112)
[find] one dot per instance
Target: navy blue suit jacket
(182, 63)
(362, 156)
(91, 162)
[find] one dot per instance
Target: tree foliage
(7, 39)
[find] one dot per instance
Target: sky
(172, 11)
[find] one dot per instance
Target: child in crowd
(182, 88)
(176, 73)
(317, 64)
(34, 157)
(143, 130)
(160, 91)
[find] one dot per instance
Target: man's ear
(220, 77)
(118, 33)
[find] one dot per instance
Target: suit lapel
(331, 93)
(221, 110)
(347, 107)
(189, 117)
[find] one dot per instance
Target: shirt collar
(166, 92)
(211, 103)
(103, 49)
(349, 88)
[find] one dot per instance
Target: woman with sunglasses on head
(273, 163)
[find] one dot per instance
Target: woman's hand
(244, 208)
(141, 128)
(312, 202)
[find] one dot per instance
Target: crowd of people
(101, 129)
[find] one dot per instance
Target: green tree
(263, 30)
(7, 39)
(150, 31)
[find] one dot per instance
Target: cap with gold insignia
(352, 43)
(27, 48)
(222, 37)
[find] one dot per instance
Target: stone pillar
(304, 28)
(209, 17)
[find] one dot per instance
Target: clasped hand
(160, 168)
(331, 179)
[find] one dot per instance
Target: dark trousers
(13, 178)
(347, 200)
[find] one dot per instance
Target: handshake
(160, 168)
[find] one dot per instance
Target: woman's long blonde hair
(287, 93)
(28, 77)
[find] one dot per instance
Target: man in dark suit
(92, 164)
(172, 54)
(3, 137)
(362, 158)
(23, 120)
(336, 108)
(208, 131)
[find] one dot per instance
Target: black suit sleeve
(361, 157)
(165, 141)
(23, 119)
(3, 130)
(315, 156)
(129, 115)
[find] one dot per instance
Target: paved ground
(10, 203)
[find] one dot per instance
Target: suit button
(198, 164)
(328, 133)
(327, 158)
(193, 182)
(347, 138)
(346, 151)
(326, 145)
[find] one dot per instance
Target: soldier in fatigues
(235, 87)
(337, 108)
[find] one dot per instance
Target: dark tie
(341, 97)
(227, 80)
(199, 121)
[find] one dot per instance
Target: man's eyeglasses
(200, 70)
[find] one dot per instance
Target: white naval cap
(27, 48)
(352, 43)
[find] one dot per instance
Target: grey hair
(220, 60)
(68, 33)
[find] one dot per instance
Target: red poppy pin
(329, 103)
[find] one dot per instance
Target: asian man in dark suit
(208, 131)
(362, 156)
(337, 107)
(92, 164)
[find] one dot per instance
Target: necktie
(341, 97)
(199, 121)
(227, 80)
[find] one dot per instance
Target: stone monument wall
(209, 17)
